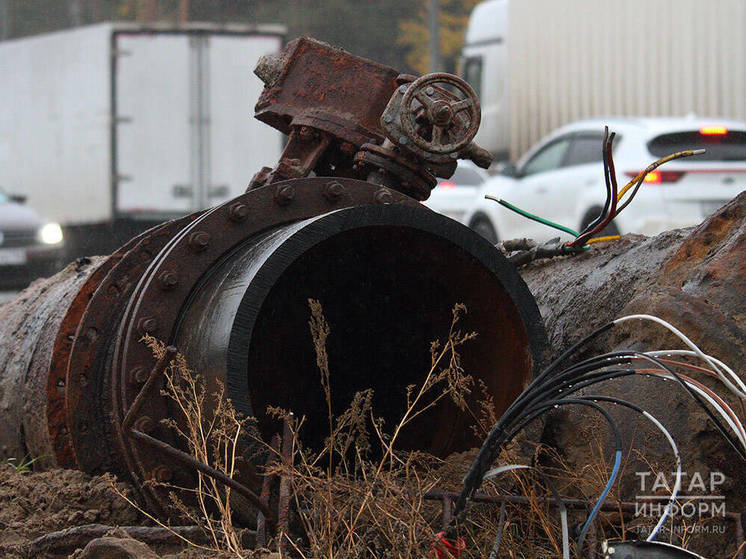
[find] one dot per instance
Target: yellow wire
(603, 239)
(655, 165)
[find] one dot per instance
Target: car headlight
(50, 234)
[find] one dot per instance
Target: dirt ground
(35, 503)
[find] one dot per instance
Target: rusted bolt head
(162, 474)
(169, 280)
(384, 196)
(199, 241)
(305, 133)
(144, 424)
(442, 113)
(284, 194)
(238, 212)
(138, 375)
(333, 190)
(347, 148)
(147, 325)
(268, 68)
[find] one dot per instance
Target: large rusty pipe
(229, 288)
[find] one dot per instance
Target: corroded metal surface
(350, 117)
(228, 288)
(29, 328)
(379, 260)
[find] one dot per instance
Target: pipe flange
(178, 257)
(86, 370)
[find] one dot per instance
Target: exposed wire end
(610, 211)
(652, 167)
(603, 239)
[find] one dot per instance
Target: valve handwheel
(443, 111)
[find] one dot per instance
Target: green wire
(524, 213)
(538, 219)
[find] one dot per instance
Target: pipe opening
(388, 279)
(387, 293)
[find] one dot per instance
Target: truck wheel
(483, 226)
(590, 215)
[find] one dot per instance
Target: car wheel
(482, 226)
(609, 230)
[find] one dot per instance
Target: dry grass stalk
(211, 429)
(350, 505)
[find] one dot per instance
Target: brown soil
(35, 503)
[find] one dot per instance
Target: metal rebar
(447, 512)
(217, 475)
(150, 383)
(283, 505)
(500, 527)
(261, 521)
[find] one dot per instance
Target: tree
(414, 34)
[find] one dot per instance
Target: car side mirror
(507, 169)
(17, 198)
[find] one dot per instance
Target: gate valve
(435, 117)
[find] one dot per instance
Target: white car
(453, 197)
(561, 178)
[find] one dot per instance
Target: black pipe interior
(387, 293)
(387, 279)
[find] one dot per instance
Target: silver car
(29, 246)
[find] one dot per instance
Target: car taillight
(713, 130)
(657, 177)
(447, 184)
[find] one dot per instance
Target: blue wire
(601, 499)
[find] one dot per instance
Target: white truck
(540, 64)
(111, 128)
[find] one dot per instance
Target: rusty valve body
(350, 117)
(228, 289)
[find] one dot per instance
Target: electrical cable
(640, 178)
(642, 174)
(688, 342)
(492, 443)
(555, 494)
(607, 181)
(612, 212)
(552, 404)
(713, 399)
(531, 216)
(603, 239)
(709, 359)
(674, 447)
(552, 387)
(711, 374)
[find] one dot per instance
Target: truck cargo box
(540, 64)
(123, 122)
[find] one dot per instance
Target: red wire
(581, 240)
